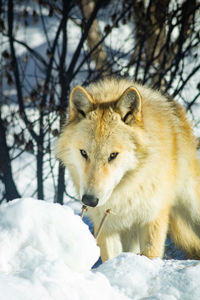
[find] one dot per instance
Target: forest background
(46, 47)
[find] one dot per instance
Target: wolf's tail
(184, 237)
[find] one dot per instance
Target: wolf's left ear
(80, 103)
(129, 105)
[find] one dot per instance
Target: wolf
(131, 149)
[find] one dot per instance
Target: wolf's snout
(90, 200)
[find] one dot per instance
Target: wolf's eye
(84, 153)
(113, 156)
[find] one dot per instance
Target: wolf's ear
(80, 103)
(129, 105)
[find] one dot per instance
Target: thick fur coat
(132, 150)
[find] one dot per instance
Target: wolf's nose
(90, 200)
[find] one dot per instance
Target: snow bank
(141, 278)
(37, 231)
(46, 252)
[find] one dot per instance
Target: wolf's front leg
(153, 236)
(110, 245)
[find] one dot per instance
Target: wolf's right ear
(129, 105)
(80, 103)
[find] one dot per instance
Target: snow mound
(46, 252)
(141, 278)
(34, 231)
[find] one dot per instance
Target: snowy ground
(46, 252)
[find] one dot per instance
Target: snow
(43, 231)
(140, 277)
(47, 252)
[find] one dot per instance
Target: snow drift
(46, 252)
(37, 231)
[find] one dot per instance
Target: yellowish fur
(154, 182)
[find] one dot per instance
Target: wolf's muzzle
(90, 200)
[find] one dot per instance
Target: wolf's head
(101, 143)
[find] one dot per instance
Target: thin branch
(193, 101)
(31, 50)
(84, 37)
(194, 71)
(88, 55)
(16, 72)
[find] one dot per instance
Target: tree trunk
(5, 166)
(99, 55)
